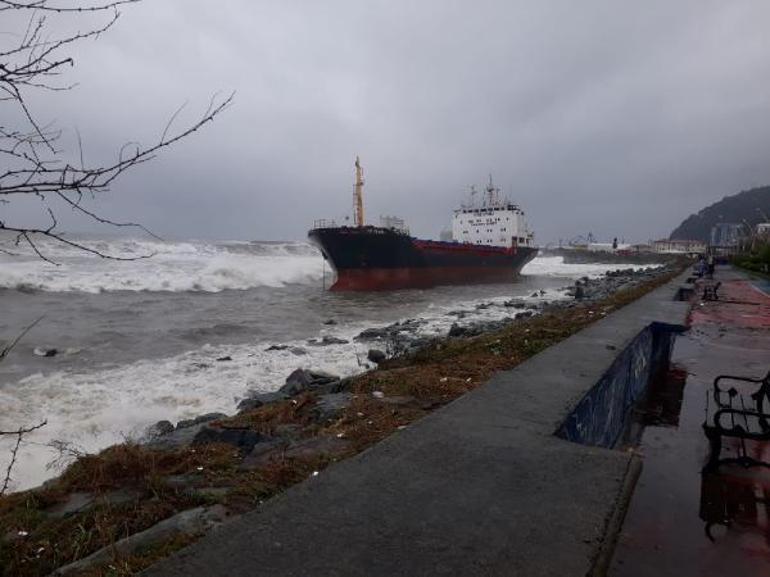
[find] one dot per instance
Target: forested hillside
(748, 206)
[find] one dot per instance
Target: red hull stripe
(373, 279)
(462, 248)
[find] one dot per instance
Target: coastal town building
(678, 246)
(726, 236)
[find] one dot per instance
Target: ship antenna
(358, 196)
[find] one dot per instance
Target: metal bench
(710, 291)
(741, 412)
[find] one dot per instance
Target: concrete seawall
(492, 484)
(600, 418)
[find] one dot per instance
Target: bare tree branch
(20, 432)
(34, 165)
(9, 347)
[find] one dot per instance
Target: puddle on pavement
(681, 522)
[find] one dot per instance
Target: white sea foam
(106, 405)
(186, 266)
(554, 266)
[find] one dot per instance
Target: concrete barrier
(601, 416)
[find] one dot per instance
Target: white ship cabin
(491, 220)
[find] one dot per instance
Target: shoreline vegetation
(117, 512)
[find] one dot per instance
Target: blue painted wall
(600, 417)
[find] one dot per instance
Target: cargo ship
(490, 242)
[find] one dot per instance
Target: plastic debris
(378, 394)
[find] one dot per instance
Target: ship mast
(358, 196)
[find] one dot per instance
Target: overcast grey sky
(619, 118)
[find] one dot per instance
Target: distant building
(668, 246)
(726, 236)
(763, 229)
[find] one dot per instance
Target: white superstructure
(492, 220)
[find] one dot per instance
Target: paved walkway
(480, 487)
(681, 523)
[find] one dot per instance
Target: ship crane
(358, 196)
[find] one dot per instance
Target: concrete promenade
(682, 522)
(480, 487)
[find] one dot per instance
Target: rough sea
(138, 341)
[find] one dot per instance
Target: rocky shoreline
(397, 340)
(141, 500)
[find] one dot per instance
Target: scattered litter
(315, 473)
(443, 379)
(468, 380)
(359, 414)
(401, 427)
(22, 533)
(378, 394)
(198, 468)
(340, 435)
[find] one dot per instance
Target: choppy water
(138, 341)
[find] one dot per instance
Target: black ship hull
(373, 258)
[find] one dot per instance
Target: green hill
(745, 206)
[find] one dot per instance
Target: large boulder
(207, 418)
(457, 331)
(303, 380)
(242, 438)
(328, 407)
(327, 340)
(159, 429)
(372, 334)
(376, 356)
(258, 400)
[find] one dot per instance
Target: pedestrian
(710, 265)
(700, 267)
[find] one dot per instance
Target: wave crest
(174, 267)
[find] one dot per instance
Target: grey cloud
(618, 118)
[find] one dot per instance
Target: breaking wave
(554, 266)
(173, 267)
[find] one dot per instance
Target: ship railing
(324, 223)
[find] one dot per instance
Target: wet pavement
(682, 522)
